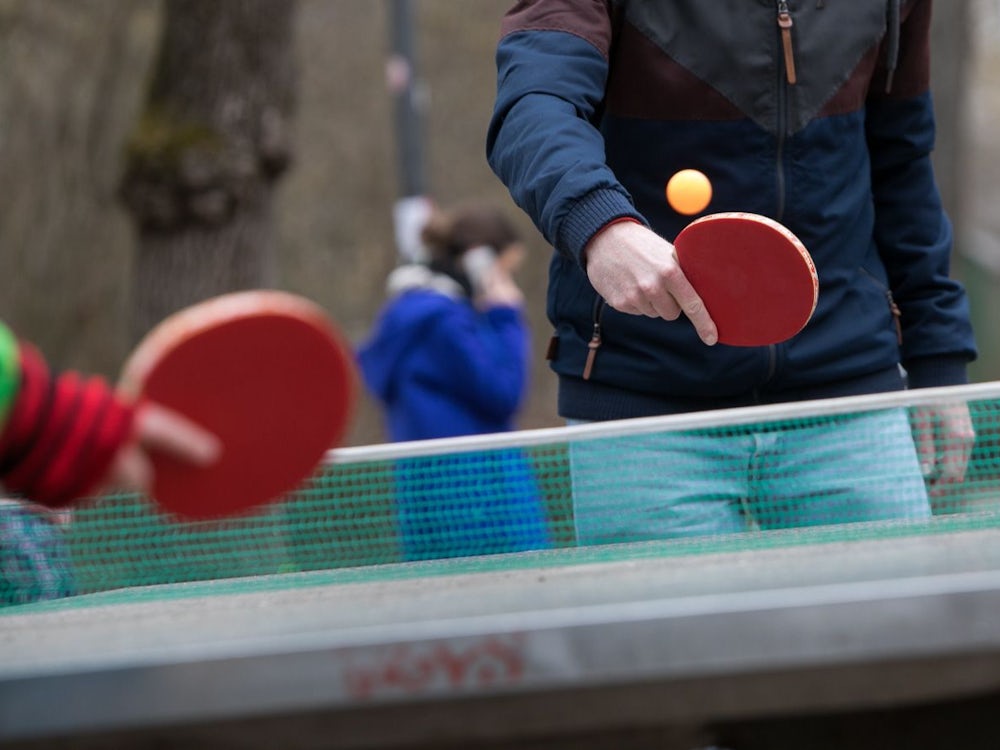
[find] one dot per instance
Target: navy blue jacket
(600, 102)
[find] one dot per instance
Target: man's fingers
(950, 471)
(945, 437)
(161, 429)
(955, 451)
(664, 305)
(668, 310)
(683, 295)
(669, 297)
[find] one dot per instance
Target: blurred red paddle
(268, 374)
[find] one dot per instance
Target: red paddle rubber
(755, 277)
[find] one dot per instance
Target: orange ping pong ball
(689, 192)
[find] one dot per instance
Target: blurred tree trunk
(204, 156)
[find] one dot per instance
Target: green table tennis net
(857, 468)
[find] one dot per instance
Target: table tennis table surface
(550, 642)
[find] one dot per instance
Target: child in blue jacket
(449, 356)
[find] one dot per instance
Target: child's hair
(449, 233)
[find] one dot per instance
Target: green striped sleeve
(10, 371)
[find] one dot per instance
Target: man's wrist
(600, 233)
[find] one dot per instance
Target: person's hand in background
(497, 286)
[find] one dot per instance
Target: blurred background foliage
(75, 76)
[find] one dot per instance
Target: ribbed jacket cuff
(589, 215)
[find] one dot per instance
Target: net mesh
(865, 467)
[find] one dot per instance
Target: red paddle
(755, 277)
(268, 374)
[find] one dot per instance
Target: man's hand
(159, 429)
(944, 437)
(636, 271)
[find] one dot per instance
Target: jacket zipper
(595, 339)
(785, 23)
(782, 114)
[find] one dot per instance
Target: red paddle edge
(203, 316)
(780, 229)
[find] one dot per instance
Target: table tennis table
(557, 646)
(863, 635)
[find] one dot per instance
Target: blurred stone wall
(72, 75)
(70, 79)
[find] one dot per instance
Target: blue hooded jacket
(440, 367)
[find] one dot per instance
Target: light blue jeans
(860, 467)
